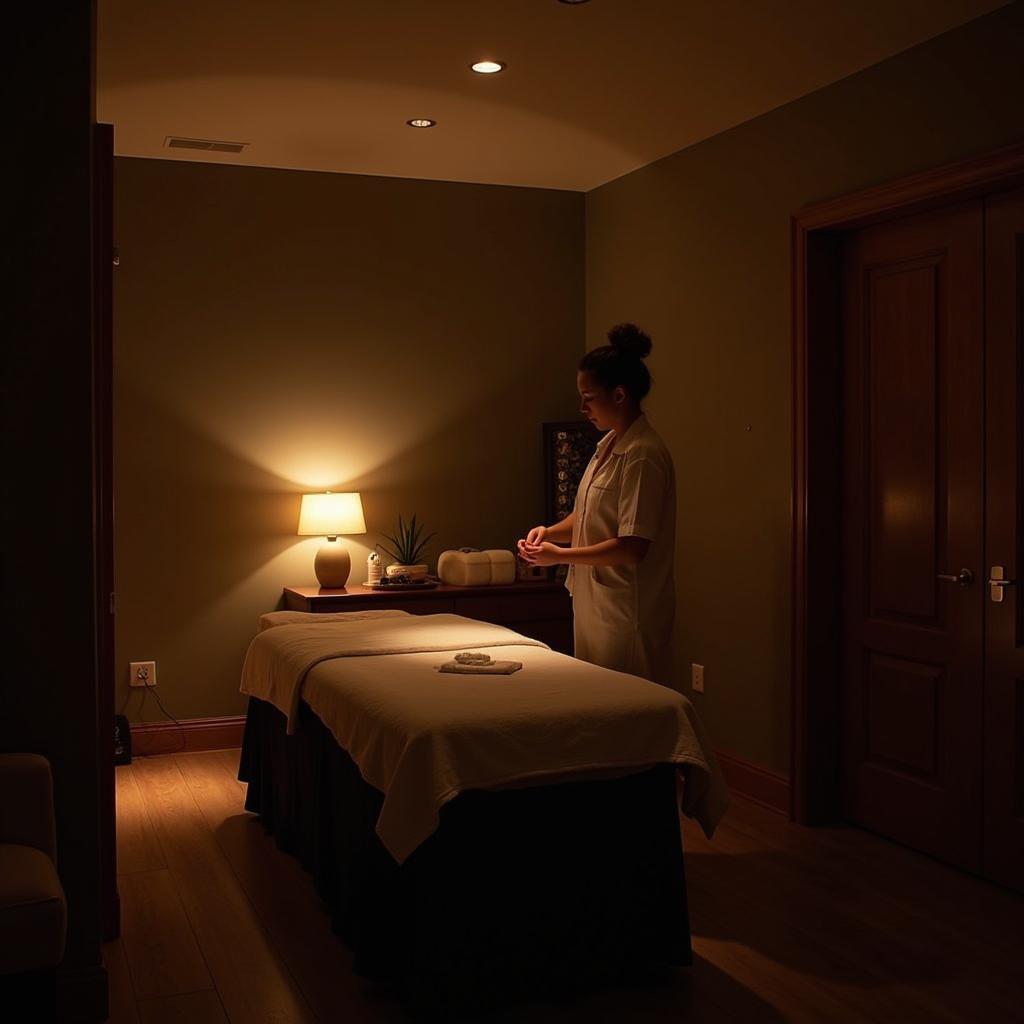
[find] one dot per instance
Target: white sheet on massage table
(421, 736)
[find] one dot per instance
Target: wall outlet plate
(697, 677)
(142, 673)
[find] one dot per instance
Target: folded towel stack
(478, 663)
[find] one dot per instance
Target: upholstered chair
(33, 913)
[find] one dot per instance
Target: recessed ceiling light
(487, 67)
(421, 122)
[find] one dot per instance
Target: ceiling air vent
(212, 145)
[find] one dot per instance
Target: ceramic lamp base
(332, 565)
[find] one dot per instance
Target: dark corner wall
(696, 248)
(48, 698)
(282, 331)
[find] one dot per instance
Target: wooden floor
(790, 924)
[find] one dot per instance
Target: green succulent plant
(407, 545)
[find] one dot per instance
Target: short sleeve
(641, 498)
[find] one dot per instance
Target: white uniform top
(623, 614)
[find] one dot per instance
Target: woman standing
(622, 528)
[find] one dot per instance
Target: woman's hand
(531, 540)
(544, 553)
(536, 535)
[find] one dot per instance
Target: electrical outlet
(142, 673)
(697, 678)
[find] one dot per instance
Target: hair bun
(629, 340)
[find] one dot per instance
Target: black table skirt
(536, 891)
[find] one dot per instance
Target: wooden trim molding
(964, 179)
(193, 734)
(815, 776)
(756, 783)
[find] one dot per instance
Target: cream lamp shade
(330, 515)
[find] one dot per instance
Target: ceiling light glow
(421, 122)
(487, 67)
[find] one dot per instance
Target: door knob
(998, 583)
(963, 578)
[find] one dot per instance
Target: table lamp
(330, 515)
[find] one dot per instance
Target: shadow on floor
(700, 994)
(842, 926)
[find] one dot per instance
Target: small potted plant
(407, 547)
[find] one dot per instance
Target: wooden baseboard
(191, 735)
(754, 782)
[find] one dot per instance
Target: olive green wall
(696, 248)
(278, 332)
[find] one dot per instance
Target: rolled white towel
(477, 568)
(495, 668)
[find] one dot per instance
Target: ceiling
(590, 92)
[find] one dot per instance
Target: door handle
(998, 583)
(963, 578)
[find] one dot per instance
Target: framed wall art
(568, 447)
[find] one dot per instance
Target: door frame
(817, 234)
(103, 511)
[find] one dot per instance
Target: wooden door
(912, 651)
(1004, 542)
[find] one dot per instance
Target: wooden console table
(541, 610)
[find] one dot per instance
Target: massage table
(477, 840)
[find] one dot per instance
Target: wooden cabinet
(541, 610)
